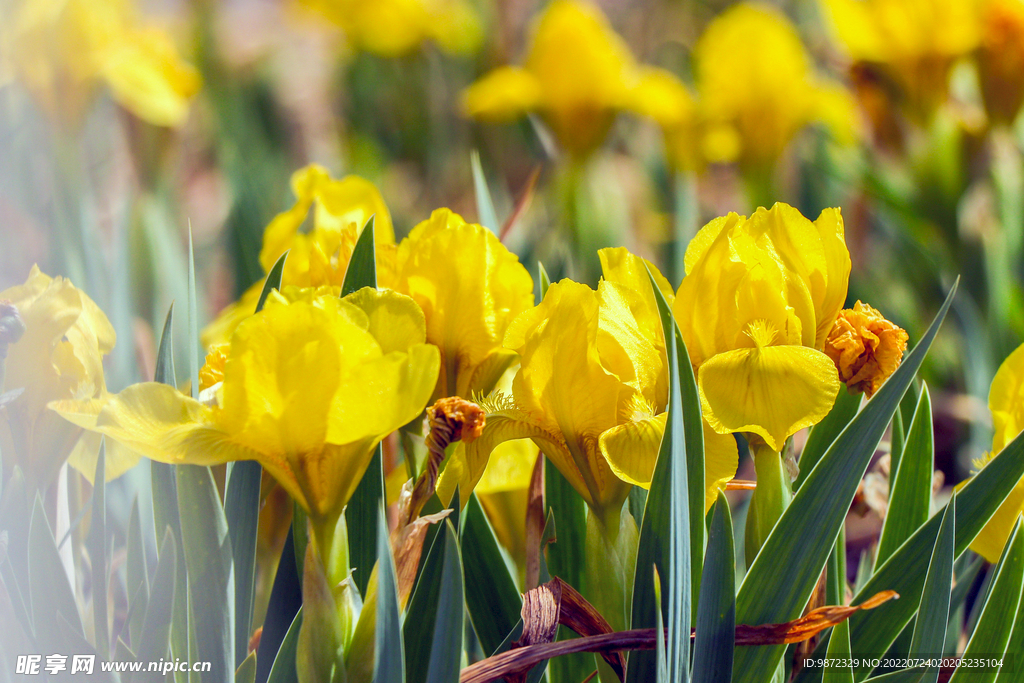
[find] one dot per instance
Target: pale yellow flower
(578, 75)
(754, 76)
(915, 41)
(63, 50)
(392, 28)
(59, 357)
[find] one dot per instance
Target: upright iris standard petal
(319, 257)
(470, 288)
(310, 385)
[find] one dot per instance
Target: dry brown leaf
(534, 524)
(523, 658)
(407, 545)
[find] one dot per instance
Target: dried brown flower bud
(865, 347)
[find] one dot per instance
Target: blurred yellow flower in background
(916, 42)
(865, 347)
(469, 287)
(759, 298)
(755, 79)
(318, 257)
(578, 75)
(311, 384)
(392, 28)
(1006, 401)
(61, 51)
(1001, 59)
(504, 491)
(58, 357)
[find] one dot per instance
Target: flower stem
(770, 498)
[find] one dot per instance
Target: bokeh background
(124, 124)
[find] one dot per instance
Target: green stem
(770, 499)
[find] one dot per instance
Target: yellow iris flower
(915, 41)
(757, 303)
(319, 257)
(58, 357)
(591, 390)
(755, 79)
(62, 50)
(311, 384)
(469, 287)
(578, 75)
(392, 28)
(1006, 401)
(1001, 59)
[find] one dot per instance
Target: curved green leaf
(491, 595)
(714, 643)
(389, 650)
(783, 575)
(910, 497)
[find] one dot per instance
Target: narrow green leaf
(96, 544)
(156, 631)
(272, 282)
(77, 644)
(838, 650)
(672, 531)
(543, 281)
(389, 650)
(903, 676)
(484, 204)
(285, 603)
(209, 561)
(930, 630)
(835, 588)
(898, 440)
(992, 634)
(283, 668)
(714, 643)
(661, 657)
(825, 432)
(904, 571)
(136, 576)
(434, 621)
(360, 516)
(165, 504)
(300, 532)
(491, 595)
(193, 320)
(362, 267)
(246, 672)
(565, 559)
(910, 497)
(242, 510)
(49, 590)
(782, 577)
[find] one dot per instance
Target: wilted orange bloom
(865, 347)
